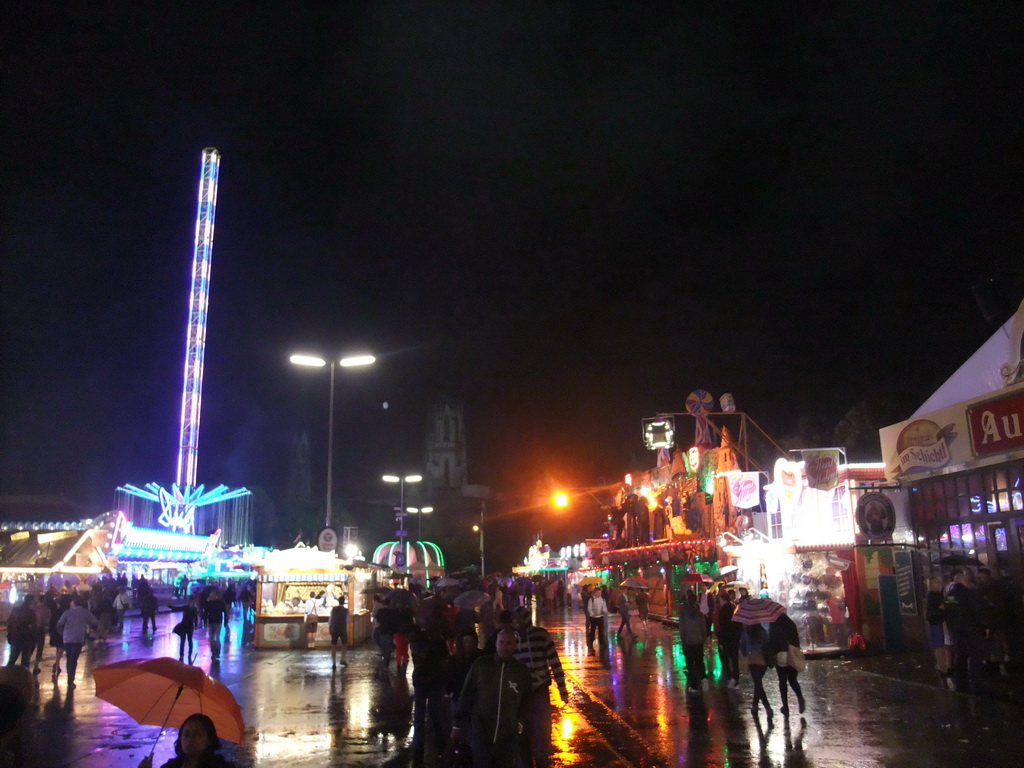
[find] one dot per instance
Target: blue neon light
(195, 342)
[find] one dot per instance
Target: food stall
(285, 580)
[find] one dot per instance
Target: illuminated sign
(659, 433)
(693, 456)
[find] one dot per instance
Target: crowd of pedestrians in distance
(481, 669)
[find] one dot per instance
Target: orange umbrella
(165, 692)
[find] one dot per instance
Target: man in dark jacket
(216, 616)
(21, 631)
(963, 617)
(494, 704)
(728, 632)
(429, 647)
(538, 653)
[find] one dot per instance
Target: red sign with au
(998, 425)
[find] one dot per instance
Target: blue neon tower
(179, 504)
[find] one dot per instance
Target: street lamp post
(480, 528)
(400, 511)
(318, 362)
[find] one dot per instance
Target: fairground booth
(159, 554)
(960, 459)
(813, 530)
(35, 556)
(287, 578)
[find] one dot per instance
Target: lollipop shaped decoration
(700, 403)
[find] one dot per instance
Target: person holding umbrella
(195, 747)
(758, 614)
(782, 637)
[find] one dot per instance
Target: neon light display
(195, 343)
(153, 544)
(422, 552)
(178, 505)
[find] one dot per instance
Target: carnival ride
(180, 503)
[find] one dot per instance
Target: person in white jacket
(73, 626)
(597, 610)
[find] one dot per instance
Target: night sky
(566, 216)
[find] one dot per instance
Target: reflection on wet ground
(628, 706)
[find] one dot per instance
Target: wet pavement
(628, 707)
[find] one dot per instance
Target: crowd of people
(481, 672)
(969, 617)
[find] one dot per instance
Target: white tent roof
(984, 372)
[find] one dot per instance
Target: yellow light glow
(560, 499)
(567, 726)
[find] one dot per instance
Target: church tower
(446, 450)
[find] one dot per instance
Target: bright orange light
(560, 499)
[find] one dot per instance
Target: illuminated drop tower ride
(180, 504)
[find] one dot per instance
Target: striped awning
(306, 577)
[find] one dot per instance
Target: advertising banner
(997, 426)
(954, 436)
(822, 468)
(745, 489)
(924, 445)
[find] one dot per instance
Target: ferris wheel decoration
(700, 403)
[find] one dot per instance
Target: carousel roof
(417, 554)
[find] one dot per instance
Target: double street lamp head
(346, 362)
(406, 479)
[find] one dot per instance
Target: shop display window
(954, 536)
(999, 534)
(811, 586)
(980, 536)
(944, 540)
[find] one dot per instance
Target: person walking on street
(187, 628)
(963, 617)
(693, 633)
(643, 606)
(624, 613)
(337, 625)
(147, 607)
(935, 615)
(56, 636)
(597, 611)
(216, 615)
(728, 632)
(754, 645)
(782, 635)
(21, 631)
(537, 651)
(73, 626)
(429, 646)
(585, 595)
(43, 614)
(494, 705)
(122, 602)
(310, 608)
(385, 620)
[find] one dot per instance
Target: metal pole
(483, 570)
(401, 523)
(330, 448)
